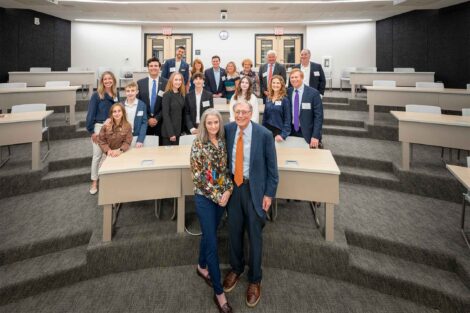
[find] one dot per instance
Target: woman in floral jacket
(212, 188)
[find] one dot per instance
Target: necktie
(239, 160)
(296, 111)
(154, 96)
(270, 73)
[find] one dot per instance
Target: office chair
(13, 85)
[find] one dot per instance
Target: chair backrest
(220, 101)
(385, 83)
(58, 83)
(429, 85)
(423, 108)
(39, 69)
(293, 142)
(346, 73)
(366, 69)
(404, 70)
(187, 140)
(466, 112)
(13, 85)
(32, 107)
(149, 141)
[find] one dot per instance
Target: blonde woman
(212, 188)
(277, 116)
(98, 111)
(244, 92)
(231, 81)
(172, 110)
(197, 66)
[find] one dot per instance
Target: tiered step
(433, 285)
(28, 277)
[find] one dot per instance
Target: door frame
(161, 34)
(271, 34)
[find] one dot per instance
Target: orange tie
(239, 161)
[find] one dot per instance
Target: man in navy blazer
(215, 78)
(177, 65)
(268, 70)
(314, 76)
(251, 159)
(145, 94)
(309, 109)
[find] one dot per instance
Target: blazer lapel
(254, 134)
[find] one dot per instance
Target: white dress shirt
(131, 111)
(254, 103)
(306, 71)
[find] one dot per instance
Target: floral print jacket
(209, 169)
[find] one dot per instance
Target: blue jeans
(209, 214)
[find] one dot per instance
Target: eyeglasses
(238, 112)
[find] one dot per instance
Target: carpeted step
(333, 99)
(66, 177)
(32, 276)
(416, 282)
(336, 106)
(343, 122)
(67, 132)
(369, 177)
(348, 131)
(82, 105)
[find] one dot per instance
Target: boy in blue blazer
(136, 111)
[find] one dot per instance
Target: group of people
(233, 166)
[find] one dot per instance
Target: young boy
(136, 111)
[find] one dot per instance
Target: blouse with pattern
(209, 169)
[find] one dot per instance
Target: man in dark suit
(313, 72)
(215, 78)
(177, 65)
(251, 159)
(307, 110)
(268, 70)
(196, 102)
(151, 91)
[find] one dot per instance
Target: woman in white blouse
(244, 92)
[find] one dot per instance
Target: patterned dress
(209, 169)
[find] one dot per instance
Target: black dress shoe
(226, 308)
(205, 278)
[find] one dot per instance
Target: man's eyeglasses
(239, 112)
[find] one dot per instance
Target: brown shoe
(226, 308)
(230, 281)
(253, 294)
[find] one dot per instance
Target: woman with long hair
(197, 67)
(172, 110)
(212, 188)
(277, 116)
(98, 111)
(231, 80)
(245, 92)
(115, 137)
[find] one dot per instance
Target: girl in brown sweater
(116, 137)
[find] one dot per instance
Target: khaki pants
(97, 154)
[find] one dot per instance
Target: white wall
(348, 44)
(239, 45)
(95, 45)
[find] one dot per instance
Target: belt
(245, 179)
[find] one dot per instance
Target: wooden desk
(39, 79)
(170, 177)
(463, 176)
(51, 96)
(20, 128)
(402, 79)
(431, 129)
(447, 99)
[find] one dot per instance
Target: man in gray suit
(251, 159)
(268, 70)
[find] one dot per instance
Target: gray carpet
(179, 289)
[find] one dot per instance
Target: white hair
(306, 50)
(271, 52)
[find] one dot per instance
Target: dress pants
(165, 141)
(242, 215)
(209, 214)
(97, 153)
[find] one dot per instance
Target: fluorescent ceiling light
(223, 1)
(220, 22)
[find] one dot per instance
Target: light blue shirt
(301, 93)
(246, 150)
(217, 77)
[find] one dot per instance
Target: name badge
(265, 74)
(278, 103)
(160, 93)
(183, 70)
(172, 69)
(306, 106)
(140, 113)
(223, 78)
(316, 73)
(205, 104)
